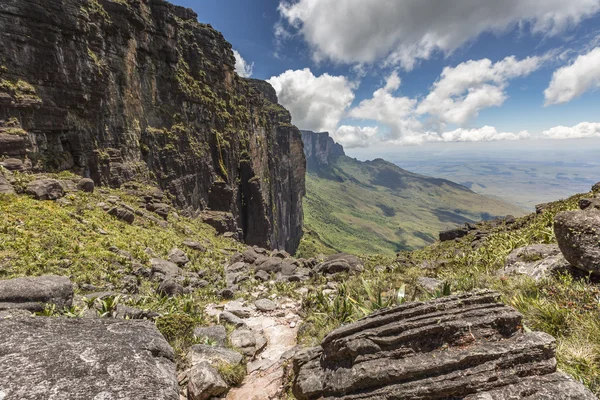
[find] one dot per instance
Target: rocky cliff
(118, 90)
(320, 149)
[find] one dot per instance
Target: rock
(216, 334)
(596, 188)
(232, 319)
(540, 208)
(537, 261)
(205, 382)
(265, 305)
(194, 245)
(5, 186)
(45, 189)
(122, 214)
(458, 347)
(15, 164)
(287, 268)
(452, 234)
(577, 234)
(227, 293)
(178, 257)
(80, 359)
(170, 288)
(585, 204)
(270, 265)
(249, 342)
(237, 309)
(161, 209)
(212, 355)
(86, 185)
(127, 312)
(34, 293)
(281, 254)
(262, 276)
(164, 269)
(249, 256)
(237, 267)
(340, 263)
(430, 284)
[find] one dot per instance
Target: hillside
(376, 207)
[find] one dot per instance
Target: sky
(388, 73)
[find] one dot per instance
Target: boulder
(81, 359)
(161, 209)
(540, 208)
(164, 269)
(194, 245)
(86, 185)
(216, 334)
(340, 263)
(265, 305)
(123, 214)
(262, 276)
(577, 234)
(249, 342)
(178, 257)
(589, 203)
(430, 284)
(466, 346)
(213, 355)
(249, 255)
(45, 189)
(452, 234)
(5, 186)
(232, 319)
(537, 261)
(170, 288)
(34, 293)
(15, 164)
(205, 382)
(596, 188)
(238, 309)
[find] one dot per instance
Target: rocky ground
(137, 301)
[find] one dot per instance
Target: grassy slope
(378, 208)
(564, 306)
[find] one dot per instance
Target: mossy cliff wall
(138, 89)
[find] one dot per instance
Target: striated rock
(86, 185)
(577, 234)
(123, 214)
(537, 261)
(34, 293)
(81, 359)
(458, 347)
(138, 88)
(45, 189)
(340, 263)
(5, 186)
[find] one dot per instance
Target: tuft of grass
(233, 375)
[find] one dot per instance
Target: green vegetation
(377, 208)
(233, 375)
(564, 306)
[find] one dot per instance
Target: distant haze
(524, 172)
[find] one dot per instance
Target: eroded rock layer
(139, 89)
(458, 347)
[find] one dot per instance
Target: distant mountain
(377, 207)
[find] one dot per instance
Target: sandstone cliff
(320, 148)
(138, 89)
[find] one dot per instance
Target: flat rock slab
(34, 293)
(46, 358)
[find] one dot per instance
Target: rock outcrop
(458, 347)
(35, 293)
(577, 234)
(139, 89)
(537, 261)
(320, 149)
(81, 358)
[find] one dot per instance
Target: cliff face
(320, 149)
(138, 89)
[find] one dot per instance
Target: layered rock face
(320, 148)
(138, 89)
(459, 347)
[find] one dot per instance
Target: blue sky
(327, 58)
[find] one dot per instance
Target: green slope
(377, 207)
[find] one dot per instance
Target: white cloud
(242, 68)
(397, 113)
(484, 134)
(355, 136)
(404, 31)
(316, 103)
(579, 131)
(573, 80)
(464, 90)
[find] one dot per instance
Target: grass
(378, 208)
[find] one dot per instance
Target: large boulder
(577, 234)
(35, 293)
(5, 186)
(81, 359)
(537, 261)
(459, 347)
(340, 263)
(45, 189)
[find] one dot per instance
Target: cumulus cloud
(242, 68)
(355, 136)
(316, 103)
(464, 90)
(396, 112)
(404, 31)
(579, 131)
(573, 80)
(484, 134)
